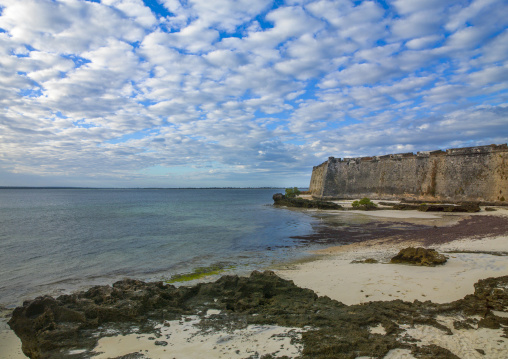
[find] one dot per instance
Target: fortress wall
(317, 179)
(463, 174)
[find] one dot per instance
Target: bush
(292, 192)
(364, 204)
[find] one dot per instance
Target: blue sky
(192, 93)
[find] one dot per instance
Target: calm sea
(57, 240)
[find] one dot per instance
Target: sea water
(58, 240)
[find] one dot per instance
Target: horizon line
(81, 187)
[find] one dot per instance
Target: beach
(333, 270)
(341, 274)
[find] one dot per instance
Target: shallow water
(57, 240)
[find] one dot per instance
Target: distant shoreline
(138, 188)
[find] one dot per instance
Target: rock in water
(278, 197)
(419, 256)
(281, 200)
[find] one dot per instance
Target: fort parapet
(455, 175)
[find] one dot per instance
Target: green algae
(200, 272)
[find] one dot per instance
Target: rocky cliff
(456, 175)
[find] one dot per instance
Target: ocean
(53, 241)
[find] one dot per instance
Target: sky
(245, 93)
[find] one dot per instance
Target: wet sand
(10, 344)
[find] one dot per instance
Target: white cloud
(405, 7)
(224, 58)
(66, 27)
(289, 22)
(113, 91)
(419, 43)
(467, 38)
(227, 15)
(365, 73)
(475, 11)
(495, 50)
(420, 24)
(490, 75)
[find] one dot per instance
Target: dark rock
(368, 261)
(405, 206)
(467, 207)
(399, 206)
(282, 200)
(419, 256)
(132, 356)
(50, 327)
(161, 343)
(278, 197)
(381, 203)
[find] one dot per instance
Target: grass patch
(364, 204)
(200, 272)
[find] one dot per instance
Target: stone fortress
(478, 174)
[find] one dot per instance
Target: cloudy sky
(185, 93)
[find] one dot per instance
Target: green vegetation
(200, 272)
(365, 204)
(292, 192)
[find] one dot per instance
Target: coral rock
(419, 256)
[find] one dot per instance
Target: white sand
(353, 283)
(335, 276)
(394, 214)
(395, 354)
(185, 340)
(10, 344)
(463, 343)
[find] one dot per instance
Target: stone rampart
(455, 175)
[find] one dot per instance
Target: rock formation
(419, 257)
(281, 200)
(70, 325)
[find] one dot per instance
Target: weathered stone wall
(461, 174)
(316, 181)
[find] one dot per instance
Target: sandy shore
(333, 274)
(10, 344)
(182, 339)
(469, 259)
